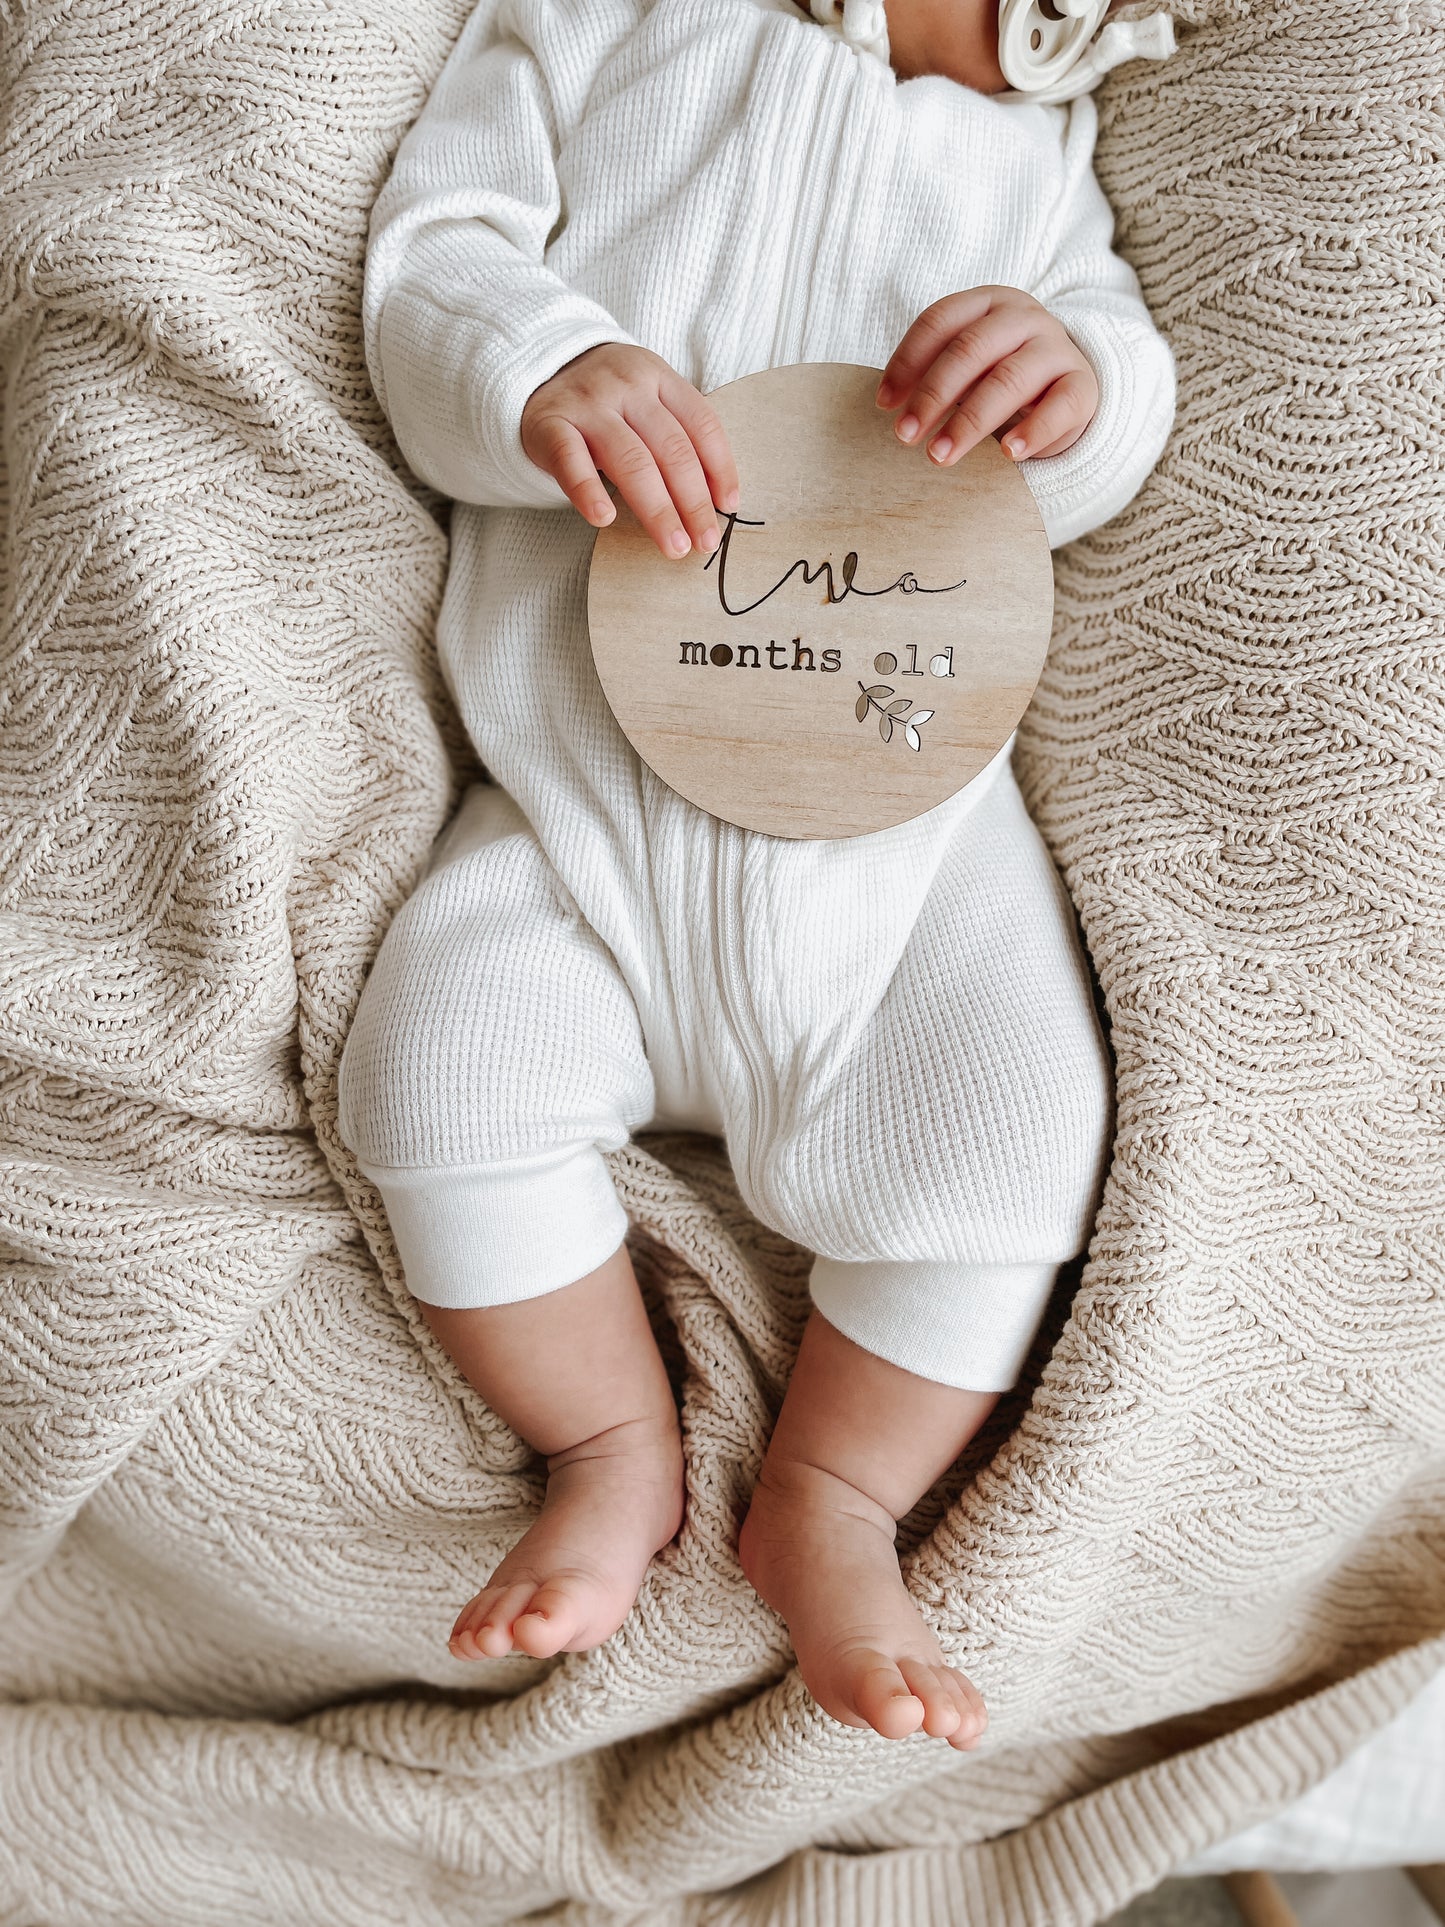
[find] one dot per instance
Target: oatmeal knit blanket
(1198, 1556)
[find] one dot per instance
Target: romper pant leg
(955, 1160)
(495, 1054)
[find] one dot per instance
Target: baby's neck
(956, 39)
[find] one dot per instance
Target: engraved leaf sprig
(890, 712)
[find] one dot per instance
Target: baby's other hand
(984, 360)
(623, 411)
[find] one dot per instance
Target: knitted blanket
(1197, 1556)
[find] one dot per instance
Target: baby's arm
(503, 384)
(1096, 295)
(462, 318)
(1076, 362)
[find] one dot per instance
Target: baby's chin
(957, 39)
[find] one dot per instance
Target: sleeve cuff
(503, 392)
(1095, 479)
(465, 341)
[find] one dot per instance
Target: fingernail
(709, 540)
(1013, 445)
(908, 428)
(940, 448)
(886, 392)
(730, 501)
(678, 542)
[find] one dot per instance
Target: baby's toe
(463, 1636)
(943, 1711)
(974, 1722)
(554, 1616)
(884, 1698)
(484, 1628)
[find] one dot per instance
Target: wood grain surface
(864, 640)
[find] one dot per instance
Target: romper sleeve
(462, 319)
(1096, 295)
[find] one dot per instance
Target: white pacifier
(1049, 52)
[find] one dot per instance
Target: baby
(606, 209)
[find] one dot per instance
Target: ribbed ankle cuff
(498, 1233)
(966, 1325)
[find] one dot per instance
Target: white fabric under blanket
(1384, 1806)
(1197, 1557)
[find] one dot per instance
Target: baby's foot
(570, 1581)
(821, 1554)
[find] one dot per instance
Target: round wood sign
(863, 640)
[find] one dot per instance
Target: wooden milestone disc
(863, 641)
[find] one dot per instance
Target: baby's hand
(981, 360)
(624, 411)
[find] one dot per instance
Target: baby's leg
(496, 1055)
(577, 1373)
(857, 1444)
(942, 1175)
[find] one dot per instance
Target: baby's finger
(938, 323)
(962, 362)
(680, 468)
(557, 446)
(621, 453)
(709, 438)
(1012, 384)
(1038, 454)
(1056, 423)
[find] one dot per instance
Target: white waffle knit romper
(893, 1033)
